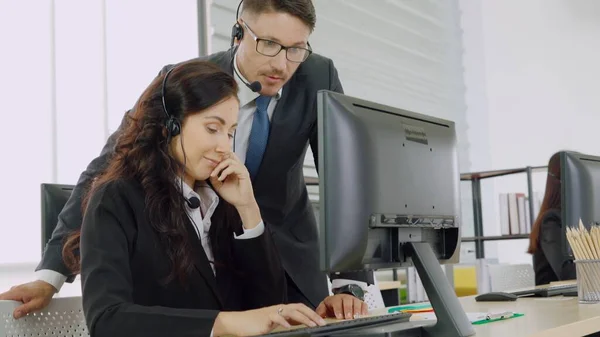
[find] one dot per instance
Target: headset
(237, 32)
(172, 124)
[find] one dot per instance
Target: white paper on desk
(472, 316)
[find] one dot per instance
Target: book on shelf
(415, 291)
(515, 216)
(414, 287)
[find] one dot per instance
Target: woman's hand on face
(264, 320)
(231, 181)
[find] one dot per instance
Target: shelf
(495, 238)
(467, 176)
(311, 181)
(389, 285)
(498, 173)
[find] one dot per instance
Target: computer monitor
(389, 197)
(54, 198)
(580, 191)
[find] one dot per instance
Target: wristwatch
(351, 289)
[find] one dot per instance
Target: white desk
(548, 317)
(544, 317)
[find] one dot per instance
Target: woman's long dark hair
(142, 154)
(552, 200)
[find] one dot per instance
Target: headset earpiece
(237, 32)
(172, 124)
(173, 127)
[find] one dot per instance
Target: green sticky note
(410, 307)
(485, 321)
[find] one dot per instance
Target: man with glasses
(279, 77)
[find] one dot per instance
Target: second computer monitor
(580, 191)
(387, 176)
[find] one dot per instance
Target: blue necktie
(259, 135)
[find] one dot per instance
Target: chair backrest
(61, 318)
(54, 198)
(505, 277)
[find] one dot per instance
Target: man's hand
(342, 306)
(35, 295)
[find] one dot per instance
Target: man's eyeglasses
(272, 48)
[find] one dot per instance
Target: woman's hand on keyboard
(342, 306)
(264, 320)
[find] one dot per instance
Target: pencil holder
(588, 280)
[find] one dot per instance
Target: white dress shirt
(246, 114)
(208, 203)
(56, 279)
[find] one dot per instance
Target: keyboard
(342, 325)
(548, 291)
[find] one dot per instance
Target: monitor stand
(451, 318)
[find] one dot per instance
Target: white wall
(476, 116)
(71, 69)
(532, 89)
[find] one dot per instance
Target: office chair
(54, 198)
(61, 318)
(505, 277)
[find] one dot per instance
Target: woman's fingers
(232, 163)
(226, 172)
(233, 156)
(310, 317)
(279, 319)
(289, 314)
(222, 165)
(300, 318)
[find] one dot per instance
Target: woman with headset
(172, 241)
(545, 240)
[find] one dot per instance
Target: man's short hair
(302, 9)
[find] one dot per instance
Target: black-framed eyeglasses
(271, 48)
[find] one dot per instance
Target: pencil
(585, 244)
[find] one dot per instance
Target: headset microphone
(193, 202)
(254, 86)
(237, 33)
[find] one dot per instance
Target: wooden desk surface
(548, 317)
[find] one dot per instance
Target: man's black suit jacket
(279, 186)
(123, 267)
